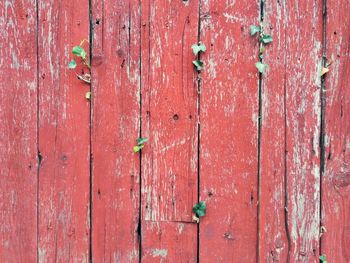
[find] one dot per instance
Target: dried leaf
(324, 71)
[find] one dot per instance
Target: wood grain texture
(300, 51)
(169, 110)
(63, 135)
(229, 132)
(68, 168)
(303, 114)
(336, 179)
(169, 242)
(169, 120)
(115, 127)
(18, 129)
(273, 234)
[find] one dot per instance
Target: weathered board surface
(169, 120)
(290, 132)
(229, 132)
(273, 225)
(302, 114)
(18, 131)
(64, 118)
(115, 127)
(251, 146)
(336, 179)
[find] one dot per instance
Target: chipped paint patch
(159, 252)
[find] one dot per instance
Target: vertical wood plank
(18, 129)
(169, 110)
(291, 113)
(303, 114)
(169, 120)
(63, 135)
(116, 112)
(229, 132)
(336, 179)
(273, 225)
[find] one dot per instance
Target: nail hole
(175, 117)
(97, 21)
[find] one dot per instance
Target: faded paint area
(159, 252)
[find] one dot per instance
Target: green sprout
(197, 50)
(140, 144)
(79, 52)
(323, 259)
(199, 210)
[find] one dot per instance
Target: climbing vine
(80, 54)
(264, 39)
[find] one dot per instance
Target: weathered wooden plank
(169, 120)
(169, 242)
(273, 231)
(115, 124)
(169, 110)
(336, 179)
(229, 132)
(292, 114)
(63, 135)
(18, 128)
(303, 114)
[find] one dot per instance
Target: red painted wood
(303, 114)
(169, 108)
(229, 132)
(273, 233)
(336, 179)
(18, 126)
(169, 242)
(291, 123)
(115, 127)
(63, 135)
(142, 67)
(169, 120)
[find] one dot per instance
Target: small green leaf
(79, 51)
(138, 148)
(323, 259)
(198, 64)
(141, 141)
(266, 39)
(200, 209)
(196, 48)
(72, 64)
(254, 30)
(261, 67)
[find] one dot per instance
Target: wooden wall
(268, 153)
